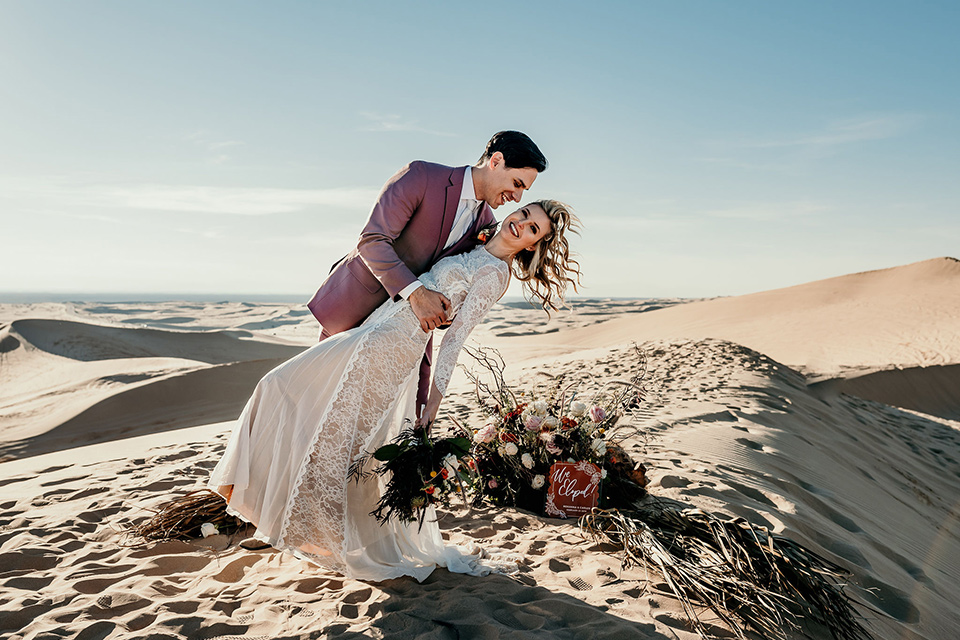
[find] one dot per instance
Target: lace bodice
(473, 282)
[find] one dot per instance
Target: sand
(825, 411)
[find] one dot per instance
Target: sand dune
(730, 425)
(86, 342)
(185, 399)
(68, 383)
(851, 325)
(727, 429)
(931, 390)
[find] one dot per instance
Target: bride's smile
(520, 231)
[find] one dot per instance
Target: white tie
(464, 220)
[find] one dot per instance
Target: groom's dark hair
(519, 151)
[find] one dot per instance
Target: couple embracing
(426, 259)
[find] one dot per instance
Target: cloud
(793, 152)
(212, 144)
(247, 201)
(844, 132)
(244, 201)
(765, 212)
(393, 122)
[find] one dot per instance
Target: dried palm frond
(749, 577)
(181, 518)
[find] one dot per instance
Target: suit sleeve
(401, 196)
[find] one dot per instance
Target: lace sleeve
(487, 287)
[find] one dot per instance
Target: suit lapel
(450, 204)
(470, 240)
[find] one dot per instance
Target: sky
(709, 148)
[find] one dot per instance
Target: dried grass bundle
(182, 517)
(749, 577)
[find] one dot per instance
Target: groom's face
(507, 184)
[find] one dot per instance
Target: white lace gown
(312, 416)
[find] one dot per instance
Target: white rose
(599, 446)
(578, 409)
(603, 474)
(510, 449)
(540, 407)
(208, 529)
(538, 481)
(527, 460)
(550, 422)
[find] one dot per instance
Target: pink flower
(553, 448)
(533, 423)
(492, 483)
(486, 434)
(597, 414)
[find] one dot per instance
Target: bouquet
(524, 436)
(422, 471)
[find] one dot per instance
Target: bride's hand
(429, 414)
(423, 424)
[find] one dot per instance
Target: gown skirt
(308, 420)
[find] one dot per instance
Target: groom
(425, 212)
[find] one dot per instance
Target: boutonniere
(487, 232)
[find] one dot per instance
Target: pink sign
(574, 488)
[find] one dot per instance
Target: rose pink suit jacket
(403, 238)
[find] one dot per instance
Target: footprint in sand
(558, 566)
(88, 492)
(27, 583)
(312, 585)
(359, 603)
(96, 568)
(53, 483)
(182, 607)
(29, 559)
(90, 587)
(672, 482)
(537, 547)
(116, 605)
(172, 565)
(235, 570)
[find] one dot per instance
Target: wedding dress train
(312, 416)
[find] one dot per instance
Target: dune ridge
(839, 327)
(68, 383)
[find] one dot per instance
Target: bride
(286, 464)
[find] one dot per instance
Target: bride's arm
(429, 414)
(487, 287)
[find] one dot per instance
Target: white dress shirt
(467, 212)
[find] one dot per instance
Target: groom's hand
(430, 307)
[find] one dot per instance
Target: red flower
(444, 473)
(430, 490)
(568, 423)
(487, 232)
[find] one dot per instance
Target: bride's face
(524, 228)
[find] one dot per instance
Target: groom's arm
(398, 199)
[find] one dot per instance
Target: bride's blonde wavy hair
(548, 268)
